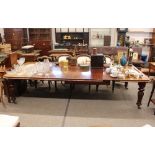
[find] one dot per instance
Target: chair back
(42, 58)
(63, 57)
(83, 59)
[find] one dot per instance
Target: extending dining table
(74, 74)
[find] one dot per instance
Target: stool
(9, 121)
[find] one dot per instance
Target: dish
(112, 75)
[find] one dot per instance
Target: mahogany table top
(75, 73)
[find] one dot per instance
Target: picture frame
(135, 56)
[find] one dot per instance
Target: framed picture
(135, 56)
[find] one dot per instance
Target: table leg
(10, 91)
(140, 93)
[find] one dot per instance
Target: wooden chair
(41, 59)
(83, 59)
(87, 59)
(150, 98)
(107, 62)
(63, 57)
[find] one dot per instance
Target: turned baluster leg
(10, 90)
(6, 83)
(140, 93)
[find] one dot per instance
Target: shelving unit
(70, 39)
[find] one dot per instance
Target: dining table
(74, 74)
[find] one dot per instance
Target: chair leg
(149, 99)
(35, 83)
(55, 82)
(126, 85)
(49, 85)
(72, 86)
(151, 94)
(89, 87)
(97, 87)
(113, 86)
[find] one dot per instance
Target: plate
(113, 75)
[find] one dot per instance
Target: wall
(2, 32)
(140, 34)
(99, 42)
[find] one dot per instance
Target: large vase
(123, 60)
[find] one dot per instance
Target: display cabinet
(40, 38)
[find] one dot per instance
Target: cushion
(8, 121)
